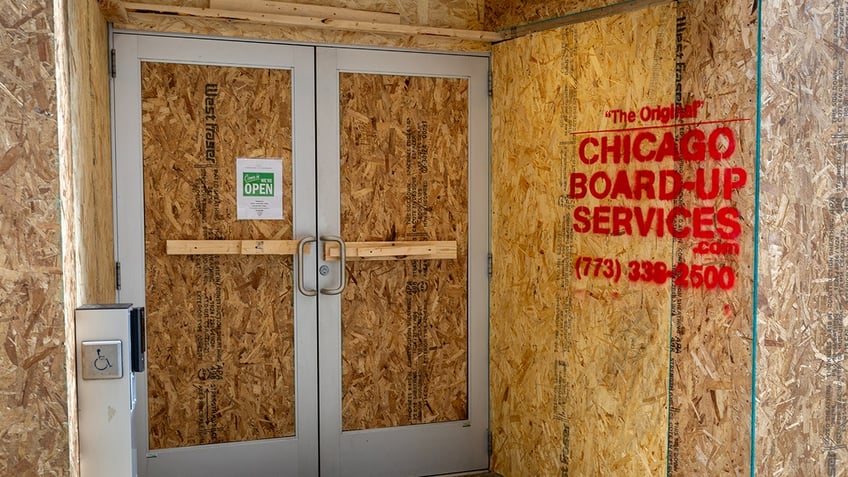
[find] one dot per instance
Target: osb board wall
(801, 385)
(91, 152)
(404, 169)
(710, 418)
(500, 14)
(606, 367)
(568, 359)
(464, 14)
(438, 13)
(33, 396)
(220, 328)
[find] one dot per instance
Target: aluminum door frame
(442, 447)
(296, 455)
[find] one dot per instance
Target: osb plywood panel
(500, 14)
(85, 174)
(637, 277)
(579, 361)
(801, 386)
(709, 428)
(404, 169)
(91, 152)
(463, 14)
(33, 400)
(467, 14)
(220, 328)
(181, 3)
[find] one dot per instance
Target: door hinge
(491, 85)
(118, 276)
(490, 266)
(489, 442)
(113, 68)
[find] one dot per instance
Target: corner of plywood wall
(801, 383)
(599, 374)
(85, 177)
(502, 14)
(91, 152)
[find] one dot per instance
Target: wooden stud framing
(315, 22)
(305, 10)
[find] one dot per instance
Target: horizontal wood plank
(431, 250)
(231, 247)
(304, 10)
(316, 22)
(435, 250)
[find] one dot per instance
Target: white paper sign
(260, 189)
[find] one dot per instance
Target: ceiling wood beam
(305, 10)
(315, 22)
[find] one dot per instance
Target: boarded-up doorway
(370, 285)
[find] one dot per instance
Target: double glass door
(307, 230)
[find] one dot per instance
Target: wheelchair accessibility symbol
(101, 363)
(101, 360)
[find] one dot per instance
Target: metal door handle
(301, 265)
(343, 253)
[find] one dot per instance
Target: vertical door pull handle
(301, 264)
(343, 253)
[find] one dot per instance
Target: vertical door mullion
(329, 306)
(305, 216)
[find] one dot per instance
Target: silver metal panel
(105, 405)
(101, 359)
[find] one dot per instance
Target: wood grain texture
(710, 428)
(458, 14)
(579, 369)
(232, 247)
(113, 10)
(578, 16)
(306, 10)
(220, 329)
(399, 250)
(404, 169)
(91, 152)
(802, 289)
(583, 384)
(318, 23)
(34, 434)
(501, 14)
(85, 174)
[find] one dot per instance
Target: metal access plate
(101, 359)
